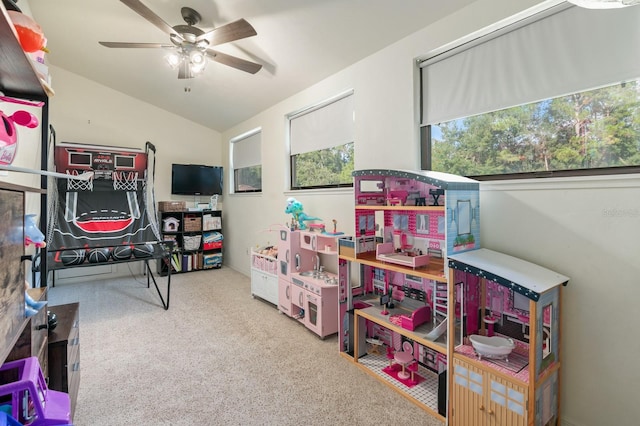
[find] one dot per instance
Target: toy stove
(314, 299)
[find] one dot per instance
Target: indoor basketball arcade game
(106, 218)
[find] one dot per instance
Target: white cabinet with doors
(264, 277)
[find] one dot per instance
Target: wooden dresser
(64, 352)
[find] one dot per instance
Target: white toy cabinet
(264, 277)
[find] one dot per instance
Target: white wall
(83, 111)
(563, 225)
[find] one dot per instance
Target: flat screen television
(196, 179)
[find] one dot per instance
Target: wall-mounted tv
(195, 179)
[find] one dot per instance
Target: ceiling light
(197, 69)
(191, 62)
(198, 61)
(604, 4)
(196, 57)
(174, 59)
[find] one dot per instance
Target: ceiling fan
(189, 48)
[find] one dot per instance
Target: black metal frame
(151, 277)
(163, 252)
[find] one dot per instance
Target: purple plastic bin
(7, 420)
(32, 401)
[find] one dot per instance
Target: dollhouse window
(441, 224)
(401, 222)
(547, 326)
(422, 223)
(464, 217)
(366, 223)
(375, 186)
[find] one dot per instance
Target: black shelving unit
(197, 240)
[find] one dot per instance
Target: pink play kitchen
(308, 280)
(468, 334)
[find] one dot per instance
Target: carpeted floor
(216, 357)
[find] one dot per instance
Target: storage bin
(192, 242)
(212, 261)
(212, 245)
(212, 240)
(172, 206)
(192, 223)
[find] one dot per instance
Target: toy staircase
(440, 302)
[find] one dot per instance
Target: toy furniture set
(468, 334)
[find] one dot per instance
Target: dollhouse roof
(439, 179)
(524, 277)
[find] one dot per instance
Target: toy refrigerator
(292, 259)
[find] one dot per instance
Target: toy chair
(390, 355)
(32, 402)
(413, 368)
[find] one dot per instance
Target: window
(321, 144)
(537, 98)
(246, 162)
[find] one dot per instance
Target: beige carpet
(216, 357)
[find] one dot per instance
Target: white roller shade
(247, 151)
(570, 51)
(325, 127)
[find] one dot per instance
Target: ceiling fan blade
(133, 45)
(150, 16)
(230, 32)
(233, 61)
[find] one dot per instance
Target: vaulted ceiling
(298, 43)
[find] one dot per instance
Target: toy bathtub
(492, 347)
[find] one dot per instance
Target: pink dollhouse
(406, 224)
(516, 303)
(469, 334)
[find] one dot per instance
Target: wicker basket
(192, 223)
(191, 242)
(172, 206)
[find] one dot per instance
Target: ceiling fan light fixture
(197, 69)
(174, 59)
(197, 57)
(189, 52)
(202, 44)
(604, 4)
(198, 61)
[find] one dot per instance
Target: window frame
(425, 136)
(291, 157)
(233, 169)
